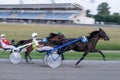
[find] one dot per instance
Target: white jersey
(2, 43)
(6, 45)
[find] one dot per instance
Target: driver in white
(37, 46)
(5, 43)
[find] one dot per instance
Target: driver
(5, 43)
(37, 46)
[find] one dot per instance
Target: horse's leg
(62, 55)
(83, 56)
(61, 51)
(26, 58)
(63, 58)
(104, 58)
(100, 53)
(30, 58)
(27, 54)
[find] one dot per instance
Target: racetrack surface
(86, 70)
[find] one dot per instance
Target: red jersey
(5, 41)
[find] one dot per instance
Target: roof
(55, 6)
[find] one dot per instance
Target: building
(45, 13)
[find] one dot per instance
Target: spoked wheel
(45, 57)
(15, 58)
(54, 60)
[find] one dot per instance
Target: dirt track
(87, 70)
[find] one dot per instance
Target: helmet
(34, 35)
(59, 33)
(2, 35)
(44, 40)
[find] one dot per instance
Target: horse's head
(100, 33)
(103, 35)
(56, 36)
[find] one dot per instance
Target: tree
(115, 18)
(103, 9)
(103, 14)
(88, 13)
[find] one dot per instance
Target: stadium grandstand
(45, 13)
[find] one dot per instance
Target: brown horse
(90, 46)
(53, 40)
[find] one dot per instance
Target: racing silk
(4, 42)
(35, 43)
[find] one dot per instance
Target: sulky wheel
(45, 57)
(15, 58)
(54, 60)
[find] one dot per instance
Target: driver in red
(5, 43)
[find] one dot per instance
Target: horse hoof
(77, 63)
(31, 62)
(76, 66)
(104, 59)
(63, 58)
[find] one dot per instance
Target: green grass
(24, 31)
(72, 55)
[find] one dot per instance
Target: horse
(53, 40)
(90, 46)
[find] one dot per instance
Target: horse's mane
(51, 35)
(93, 33)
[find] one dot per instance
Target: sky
(87, 4)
